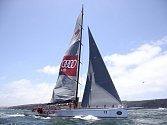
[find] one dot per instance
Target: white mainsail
(66, 86)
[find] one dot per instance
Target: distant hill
(156, 103)
(28, 106)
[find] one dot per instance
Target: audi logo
(69, 64)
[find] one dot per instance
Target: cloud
(25, 92)
(140, 74)
(49, 70)
(161, 41)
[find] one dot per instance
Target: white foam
(88, 117)
(40, 117)
(37, 117)
(16, 115)
(11, 115)
(77, 117)
(45, 117)
(162, 108)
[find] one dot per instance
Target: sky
(34, 35)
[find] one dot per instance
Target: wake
(88, 118)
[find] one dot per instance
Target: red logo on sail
(69, 66)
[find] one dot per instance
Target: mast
(76, 95)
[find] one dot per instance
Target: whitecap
(77, 117)
(45, 118)
(11, 115)
(40, 117)
(16, 115)
(160, 108)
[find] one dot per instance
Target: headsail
(99, 90)
(65, 89)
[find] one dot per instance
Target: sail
(65, 89)
(99, 90)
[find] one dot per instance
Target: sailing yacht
(100, 97)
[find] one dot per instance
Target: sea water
(136, 117)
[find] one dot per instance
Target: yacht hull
(100, 113)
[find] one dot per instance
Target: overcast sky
(34, 35)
